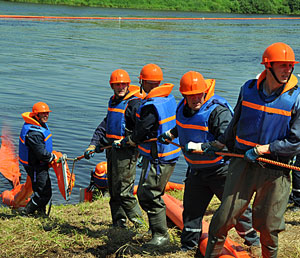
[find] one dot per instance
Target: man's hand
(251, 155)
(89, 152)
(210, 148)
(165, 137)
(193, 146)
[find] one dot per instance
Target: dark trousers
(121, 172)
(198, 192)
(41, 185)
(153, 180)
(295, 195)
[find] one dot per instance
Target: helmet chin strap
(275, 77)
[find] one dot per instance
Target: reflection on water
(68, 63)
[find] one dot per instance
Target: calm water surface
(67, 64)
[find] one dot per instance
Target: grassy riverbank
(84, 230)
(225, 6)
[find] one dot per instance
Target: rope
(142, 18)
(269, 161)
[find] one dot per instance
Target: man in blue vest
(156, 115)
(201, 117)
(265, 123)
(35, 153)
(121, 163)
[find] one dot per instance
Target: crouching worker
(121, 163)
(35, 154)
(201, 116)
(99, 179)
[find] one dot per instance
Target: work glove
(89, 152)
(166, 136)
(209, 148)
(193, 146)
(124, 143)
(251, 155)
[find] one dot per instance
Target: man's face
(195, 101)
(120, 89)
(149, 85)
(282, 70)
(43, 117)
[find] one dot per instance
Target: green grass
(84, 230)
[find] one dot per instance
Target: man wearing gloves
(201, 117)
(121, 163)
(156, 115)
(265, 123)
(35, 154)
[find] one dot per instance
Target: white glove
(193, 146)
(53, 157)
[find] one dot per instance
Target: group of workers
(146, 122)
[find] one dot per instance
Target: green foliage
(226, 6)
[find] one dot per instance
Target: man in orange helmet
(35, 153)
(265, 123)
(121, 163)
(156, 115)
(201, 117)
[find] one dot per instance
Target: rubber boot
(214, 247)
(159, 229)
(135, 216)
(30, 208)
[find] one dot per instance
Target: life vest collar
(163, 90)
(28, 118)
(289, 85)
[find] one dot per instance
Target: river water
(67, 64)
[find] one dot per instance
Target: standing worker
(156, 115)
(265, 123)
(121, 163)
(201, 117)
(35, 154)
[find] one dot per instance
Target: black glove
(251, 155)
(163, 138)
(210, 149)
(89, 152)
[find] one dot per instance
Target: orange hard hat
(101, 168)
(119, 76)
(278, 52)
(192, 83)
(151, 72)
(40, 107)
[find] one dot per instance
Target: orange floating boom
(174, 211)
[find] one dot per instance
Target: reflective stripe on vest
(195, 129)
(115, 126)
(269, 120)
(165, 108)
(23, 149)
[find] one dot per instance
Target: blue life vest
(165, 108)
(195, 129)
(263, 122)
(100, 181)
(23, 148)
(115, 126)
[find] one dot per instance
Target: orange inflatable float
(19, 195)
(174, 210)
(65, 179)
(170, 186)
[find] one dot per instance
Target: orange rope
(269, 161)
(143, 18)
